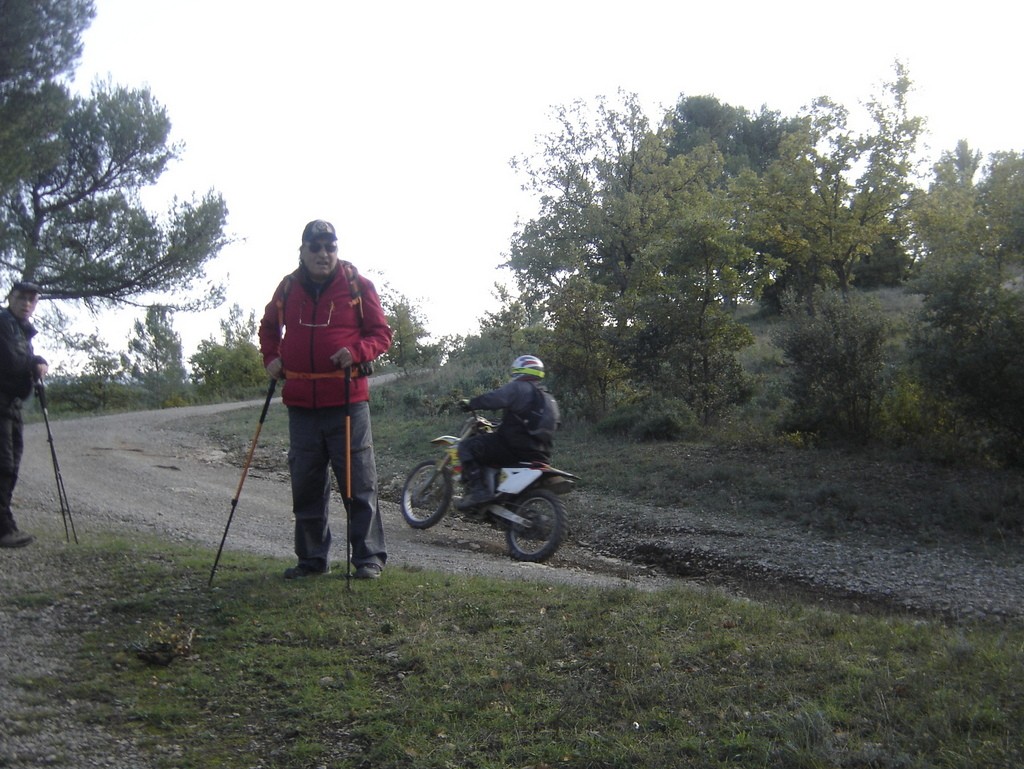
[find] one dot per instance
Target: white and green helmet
(526, 366)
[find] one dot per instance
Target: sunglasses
(314, 248)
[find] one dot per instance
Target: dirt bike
(526, 504)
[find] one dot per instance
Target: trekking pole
(347, 500)
(62, 495)
(245, 472)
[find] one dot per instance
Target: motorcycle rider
(525, 434)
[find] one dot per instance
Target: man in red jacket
(319, 333)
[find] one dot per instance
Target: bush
(968, 351)
(651, 419)
(89, 393)
(834, 346)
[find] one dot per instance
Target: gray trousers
(317, 446)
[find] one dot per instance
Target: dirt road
(144, 472)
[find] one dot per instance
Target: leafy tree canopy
(40, 41)
(232, 366)
(76, 226)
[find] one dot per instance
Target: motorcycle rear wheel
(539, 540)
(426, 494)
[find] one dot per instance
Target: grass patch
(422, 669)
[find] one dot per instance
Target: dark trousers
(493, 450)
(12, 444)
(317, 446)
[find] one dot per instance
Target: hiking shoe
(300, 571)
(368, 571)
(16, 539)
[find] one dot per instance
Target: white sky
(397, 120)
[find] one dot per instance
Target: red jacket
(305, 327)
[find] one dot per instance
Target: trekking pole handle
(40, 389)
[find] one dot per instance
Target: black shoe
(300, 571)
(474, 499)
(16, 539)
(368, 571)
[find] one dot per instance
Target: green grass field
(423, 669)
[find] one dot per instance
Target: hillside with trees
(708, 272)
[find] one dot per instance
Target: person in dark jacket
(319, 333)
(20, 369)
(525, 434)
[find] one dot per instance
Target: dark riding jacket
(517, 398)
(18, 361)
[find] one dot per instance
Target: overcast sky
(397, 120)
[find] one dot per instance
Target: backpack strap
(355, 290)
(280, 297)
(355, 286)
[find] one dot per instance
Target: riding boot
(476, 492)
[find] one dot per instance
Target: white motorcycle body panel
(514, 480)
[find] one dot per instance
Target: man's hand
(464, 404)
(342, 358)
(275, 369)
(41, 369)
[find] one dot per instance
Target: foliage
(834, 345)
(632, 253)
(233, 366)
(506, 324)
(90, 392)
(154, 358)
(745, 141)
(966, 344)
(409, 329)
(835, 197)
(76, 228)
(968, 350)
(40, 41)
(651, 419)
(972, 210)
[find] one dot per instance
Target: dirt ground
(144, 472)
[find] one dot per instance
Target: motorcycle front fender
(445, 440)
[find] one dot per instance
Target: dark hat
(318, 228)
(26, 287)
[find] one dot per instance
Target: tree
(233, 366)
(967, 346)
(834, 345)
(968, 350)
(76, 226)
(505, 325)
(101, 385)
(154, 357)
(581, 351)
(1001, 196)
(650, 236)
(834, 196)
(408, 329)
(970, 211)
(40, 40)
(745, 141)
(946, 221)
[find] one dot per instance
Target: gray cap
(318, 228)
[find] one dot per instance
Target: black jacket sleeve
(17, 360)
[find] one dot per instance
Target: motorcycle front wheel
(537, 540)
(426, 495)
